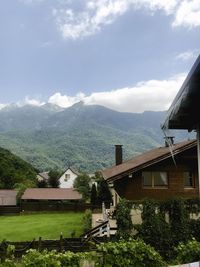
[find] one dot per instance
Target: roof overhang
(148, 163)
(184, 112)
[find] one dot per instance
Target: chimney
(118, 154)
(169, 140)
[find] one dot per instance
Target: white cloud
(65, 101)
(187, 55)
(149, 95)
(3, 106)
(33, 102)
(155, 95)
(188, 14)
(96, 14)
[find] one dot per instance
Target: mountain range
(82, 135)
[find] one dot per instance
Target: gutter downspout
(198, 154)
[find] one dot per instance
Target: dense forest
(82, 136)
(15, 171)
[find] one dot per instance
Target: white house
(68, 177)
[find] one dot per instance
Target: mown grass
(47, 225)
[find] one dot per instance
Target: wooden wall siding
(132, 188)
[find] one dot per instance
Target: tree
(82, 185)
(42, 183)
(93, 198)
(53, 180)
(123, 217)
(103, 191)
(104, 194)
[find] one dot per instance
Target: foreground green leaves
(119, 254)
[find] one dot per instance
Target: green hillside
(81, 136)
(14, 170)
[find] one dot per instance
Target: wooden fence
(47, 206)
(63, 244)
(56, 206)
(7, 210)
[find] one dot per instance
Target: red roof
(144, 160)
(51, 194)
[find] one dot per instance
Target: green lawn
(47, 225)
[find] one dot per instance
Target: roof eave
(149, 163)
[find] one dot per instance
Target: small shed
(8, 197)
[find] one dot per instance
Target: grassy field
(48, 226)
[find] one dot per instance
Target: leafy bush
(123, 217)
(129, 253)
(188, 252)
(49, 259)
(154, 230)
(195, 229)
(179, 220)
(82, 185)
(87, 220)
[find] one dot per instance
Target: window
(67, 177)
(188, 179)
(155, 179)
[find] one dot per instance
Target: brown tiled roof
(144, 160)
(8, 197)
(51, 194)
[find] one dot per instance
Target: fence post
(33, 244)
(61, 242)
(40, 243)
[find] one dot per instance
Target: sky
(127, 55)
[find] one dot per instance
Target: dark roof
(145, 160)
(73, 170)
(51, 194)
(184, 112)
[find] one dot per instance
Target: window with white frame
(155, 179)
(188, 179)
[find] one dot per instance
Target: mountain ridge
(81, 135)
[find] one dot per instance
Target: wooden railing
(100, 230)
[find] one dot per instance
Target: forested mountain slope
(81, 135)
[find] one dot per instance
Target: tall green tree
(93, 198)
(42, 184)
(103, 191)
(82, 185)
(123, 217)
(53, 180)
(104, 194)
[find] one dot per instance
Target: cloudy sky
(128, 55)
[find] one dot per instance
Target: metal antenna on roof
(169, 143)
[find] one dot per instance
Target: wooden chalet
(184, 112)
(160, 173)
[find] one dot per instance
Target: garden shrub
(129, 253)
(188, 252)
(87, 220)
(179, 221)
(154, 230)
(123, 218)
(195, 229)
(34, 258)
